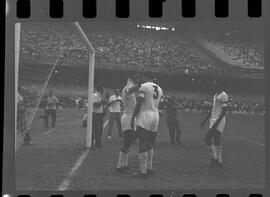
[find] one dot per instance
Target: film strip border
(141, 194)
(155, 8)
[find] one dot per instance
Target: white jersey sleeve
(224, 99)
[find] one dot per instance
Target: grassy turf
(45, 164)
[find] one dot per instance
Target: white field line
(250, 141)
(239, 138)
(48, 132)
(105, 124)
(65, 184)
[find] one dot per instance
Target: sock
(213, 152)
(121, 161)
(126, 159)
(150, 154)
(218, 152)
(143, 162)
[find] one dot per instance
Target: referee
(97, 121)
(172, 121)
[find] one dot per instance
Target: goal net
(52, 57)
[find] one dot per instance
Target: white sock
(121, 159)
(213, 152)
(150, 155)
(218, 153)
(143, 162)
(126, 159)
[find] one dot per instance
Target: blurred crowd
(191, 101)
(144, 50)
(247, 51)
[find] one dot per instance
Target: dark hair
(99, 87)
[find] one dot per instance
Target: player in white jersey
(129, 135)
(217, 124)
(146, 114)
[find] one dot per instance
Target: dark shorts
(129, 138)
(213, 136)
(146, 139)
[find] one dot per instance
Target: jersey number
(155, 95)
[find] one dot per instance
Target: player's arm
(97, 103)
(133, 89)
(205, 119)
(112, 102)
(137, 109)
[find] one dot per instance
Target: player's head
(100, 88)
(116, 91)
(50, 92)
(155, 80)
(133, 78)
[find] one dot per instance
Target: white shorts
(221, 124)
(148, 120)
(125, 121)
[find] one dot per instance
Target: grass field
(58, 159)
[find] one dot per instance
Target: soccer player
(129, 134)
(146, 113)
(115, 103)
(217, 124)
(51, 108)
(97, 119)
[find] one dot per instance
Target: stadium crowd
(201, 101)
(144, 50)
(241, 49)
(189, 101)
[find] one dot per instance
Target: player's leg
(128, 140)
(129, 137)
(94, 129)
(218, 147)
(150, 153)
(118, 122)
(143, 136)
(99, 130)
(53, 116)
(209, 142)
(151, 142)
(171, 130)
(110, 124)
(178, 131)
(46, 117)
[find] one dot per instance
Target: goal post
(17, 54)
(90, 82)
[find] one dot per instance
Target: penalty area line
(48, 132)
(65, 184)
(250, 141)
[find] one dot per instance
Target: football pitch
(58, 159)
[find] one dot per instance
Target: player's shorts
(125, 121)
(148, 120)
(221, 124)
(146, 139)
(213, 136)
(129, 137)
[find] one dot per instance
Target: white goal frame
(90, 78)
(90, 83)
